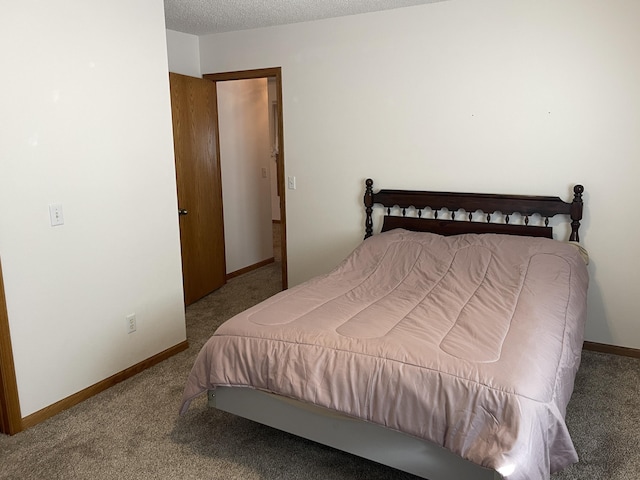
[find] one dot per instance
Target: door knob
(182, 211)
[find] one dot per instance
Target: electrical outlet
(55, 214)
(131, 323)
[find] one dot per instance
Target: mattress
(470, 341)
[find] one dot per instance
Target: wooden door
(193, 107)
(10, 417)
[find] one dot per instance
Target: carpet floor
(133, 431)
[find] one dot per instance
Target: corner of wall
(183, 52)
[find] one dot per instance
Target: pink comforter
(472, 342)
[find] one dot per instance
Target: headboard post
(576, 212)
(368, 203)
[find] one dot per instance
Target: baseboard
(51, 410)
(76, 398)
(612, 349)
(250, 268)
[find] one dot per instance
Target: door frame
(10, 416)
(266, 73)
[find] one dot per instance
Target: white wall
(497, 96)
(183, 51)
(86, 122)
(244, 156)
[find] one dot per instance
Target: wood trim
(611, 349)
(51, 410)
(243, 74)
(281, 182)
(250, 268)
(10, 417)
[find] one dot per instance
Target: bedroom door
(194, 113)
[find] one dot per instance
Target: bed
(445, 346)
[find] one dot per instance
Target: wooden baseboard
(612, 349)
(248, 269)
(51, 410)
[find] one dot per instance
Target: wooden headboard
(449, 204)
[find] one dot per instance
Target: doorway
(273, 76)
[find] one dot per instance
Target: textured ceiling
(200, 17)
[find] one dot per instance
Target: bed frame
(374, 442)
(358, 437)
(500, 206)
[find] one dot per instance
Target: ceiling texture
(201, 17)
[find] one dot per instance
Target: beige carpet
(132, 431)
